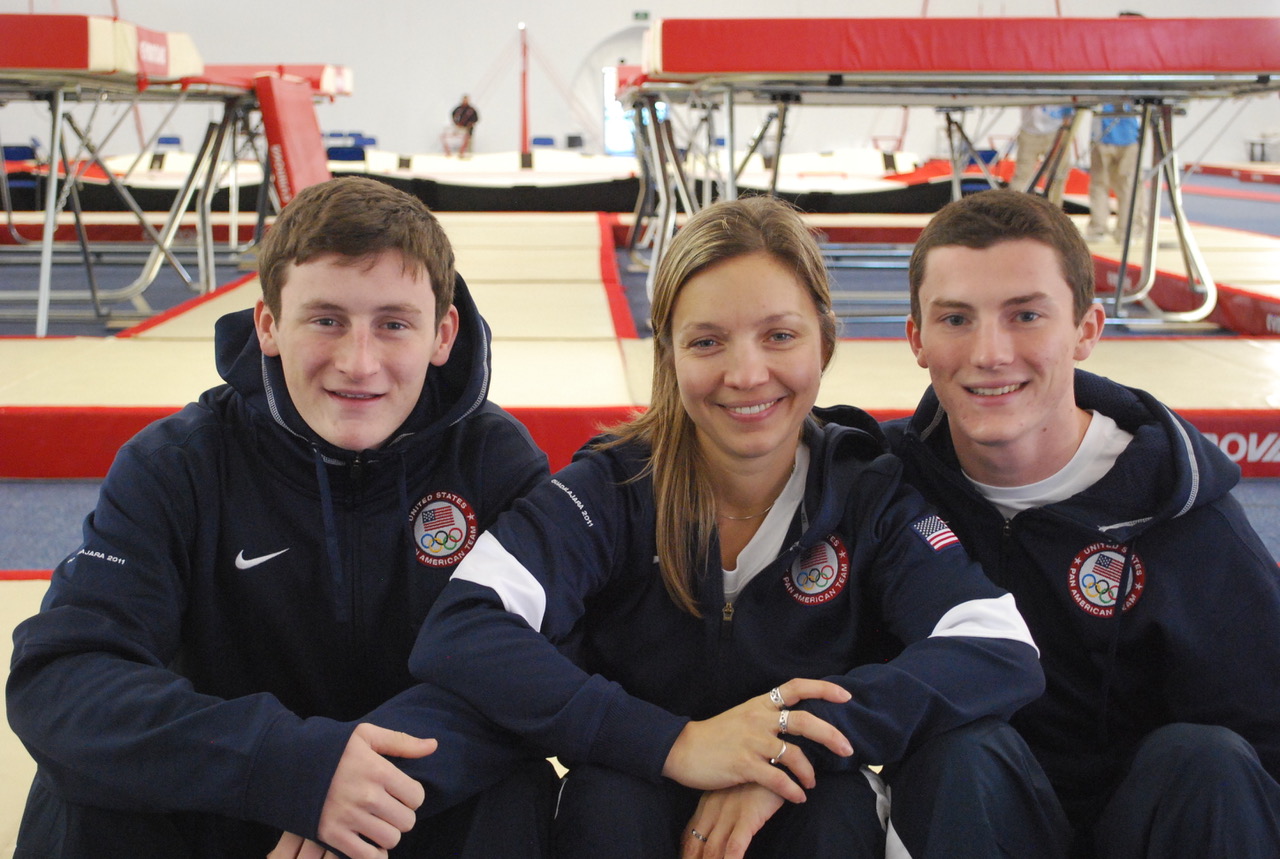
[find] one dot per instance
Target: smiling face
(355, 339)
(748, 356)
(998, 336)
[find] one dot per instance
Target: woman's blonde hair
(683, 497)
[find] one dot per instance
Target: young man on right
(1155, 605)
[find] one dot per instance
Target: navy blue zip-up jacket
(1198, 638)
(244, 593)
(558, 626)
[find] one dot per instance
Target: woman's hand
(727, 820)
(742, 745)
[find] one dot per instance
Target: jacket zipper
(726, 622)
(353, 580)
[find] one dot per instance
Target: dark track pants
(976, 791)
(972, 792)
(1192, 791)
(511, 819)
(488, 796)
(606, 813)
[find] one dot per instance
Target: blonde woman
(684, 614)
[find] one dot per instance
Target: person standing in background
(1040, 125)
(464, 117)
(1113, 161)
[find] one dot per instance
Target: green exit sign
(641, 15)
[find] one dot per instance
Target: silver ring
(782, 721)
(776, 697)
(782, 751)
(698, 835)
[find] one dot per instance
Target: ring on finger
(782, 721)
(698, 835)
(776, 697)
(782, 751)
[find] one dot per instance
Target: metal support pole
(50, 219)
(730, 145)
(1117, 307)
(779, 136)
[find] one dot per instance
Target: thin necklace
(763, 512)
(745, 518)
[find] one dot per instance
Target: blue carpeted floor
(40, 519)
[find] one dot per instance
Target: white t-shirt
(767, 541)
(1101, 446)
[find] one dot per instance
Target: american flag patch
(1109, 565)
(815, 556)
(438, 517)
(935, 532)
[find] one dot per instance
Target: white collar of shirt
(1101, 446)
(767, 542)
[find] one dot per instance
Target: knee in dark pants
(604, 812)
(839, 818)
(976, 791)
(1205, 751)
(511, 819)
(1192, 790)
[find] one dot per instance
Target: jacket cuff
(292, 771)
(635, 737)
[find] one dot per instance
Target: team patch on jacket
(1094, 579)
(936, 533)
(820, 574)
(444, 529)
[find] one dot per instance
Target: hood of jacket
(844, 442)
(1168, 470)
(452, 391)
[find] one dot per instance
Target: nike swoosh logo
(243, 563)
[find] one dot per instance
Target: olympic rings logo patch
(444, 529)
(1094, 579)
(820, 574)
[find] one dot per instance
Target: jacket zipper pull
(726, 621)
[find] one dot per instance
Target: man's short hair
(358, 219)
(981, 220)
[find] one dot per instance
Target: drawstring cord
(342, 605)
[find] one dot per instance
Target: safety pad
(295, 147)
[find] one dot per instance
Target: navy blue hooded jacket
(1199, 637)
(573, 565)
(245, 591)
